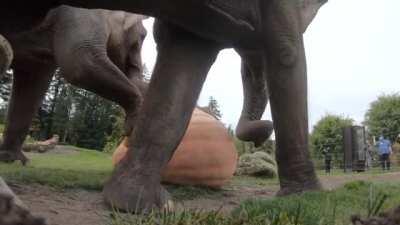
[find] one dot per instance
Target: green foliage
(248, 147)
(357, 185)
(213, 108)
(383, 116)
(92, 121)
(79, 117)
(259, 164)
(243, 147)
(328, 134)
(114, 139)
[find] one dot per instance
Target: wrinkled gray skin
(189, 40)
(97, 50)
(6, 55)
(182, 54)
(255, 91)
(248, 129)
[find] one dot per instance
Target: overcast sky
(352, 52)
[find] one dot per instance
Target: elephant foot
(289, 189)
(136, 190)
(257, 131)
(12, 156)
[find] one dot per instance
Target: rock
(259, 164)
(41, 146)
(206, 156)
(52, 141)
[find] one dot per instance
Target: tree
(328, 133)
(6, 86)
(5, 94)
(79, 117)
(92, 120)
(383, 116)
(114, 139)
(46, 113)
(212, 108)
(146, 73)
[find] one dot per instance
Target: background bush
(328, 134)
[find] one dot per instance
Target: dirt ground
(76, 207)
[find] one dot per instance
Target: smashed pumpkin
(206, 156)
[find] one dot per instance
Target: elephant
(101, 54)
(190, 34)
(6, 55)
(254, 130)
(255, 91)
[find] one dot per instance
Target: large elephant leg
(28, 90)
(287, 84)
(250, 126)
(182, 66)
(91, 69)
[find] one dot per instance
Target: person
(328, 159)
(384, 150)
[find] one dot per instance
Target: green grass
(180, 193)
(322, 208)
(85, 169)
(315, 208)
(253, 181)
(89, 169)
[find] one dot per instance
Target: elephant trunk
(6, 55)
(251, 127)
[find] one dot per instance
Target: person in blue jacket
(384, 150)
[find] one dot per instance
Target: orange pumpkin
(206, 156)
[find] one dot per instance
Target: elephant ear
(308, 10)
(6, 56)
(133, 19)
